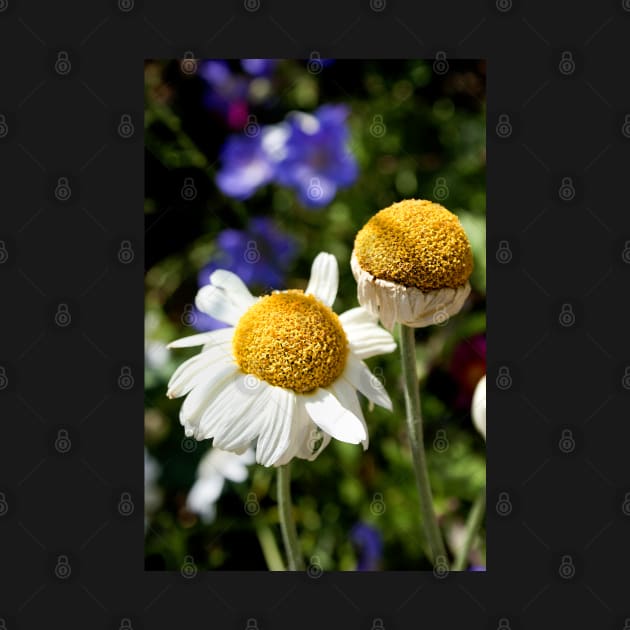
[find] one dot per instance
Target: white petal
(347, 395)
(365, 337)
(226, 463)
(367, 383)
(202, 497)
(238, 435)
(208, 464)
(235, 469)
(357, 317)
(201, 395)
(216, 303)
(298, 433)
(305, 436)
(209, 487)
(191, 372)
(324, 279)
(478, 409)
(235, 288)
(275, 435)
(191, 341)
(211, 338)
(329, 414)
(225, 418)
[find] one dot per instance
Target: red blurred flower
(468, 365)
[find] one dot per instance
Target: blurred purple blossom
(259, 255)
(259, 67)
(226, 92)
(250, 161)
(477, 567)
(309, 154)
(369, 545)
(318, 160)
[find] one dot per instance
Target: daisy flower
(214, 468)
(284, 374)
(412, 262)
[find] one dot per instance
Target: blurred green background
(414, 133)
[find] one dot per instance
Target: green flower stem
(473, 524)
(414, 426)
(269, 548)
(287, 523)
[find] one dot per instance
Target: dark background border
(552, 548)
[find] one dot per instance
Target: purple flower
(309, 154)
(369, 545)
(318, 160)
(259, 256)
(250, 161)
(259, 67)
(477, 567)
(226, 92)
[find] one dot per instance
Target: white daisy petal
(235, 469)
(365, 337)
(214, 302)
(359, 375)
(235, 288)
(226, 413)
(187, 375)
(202, 497)
(227, 463)
(239, 435)
(315, 436)
(324, 279)
(330, 415)
(213, 337)
(297, 435)
(305, 436)
(207, 489)
(275, 436)
(357, 317)
(242, 450)
(346, 394)
(191, 372)
(191, 341)
(201, 396)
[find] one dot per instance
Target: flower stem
(472, 526)
(269, 548)
(287, 523)
(414, 426)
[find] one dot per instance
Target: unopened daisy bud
(412, 262)
(478, 408)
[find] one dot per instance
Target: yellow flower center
(291, 340)
(415, 243)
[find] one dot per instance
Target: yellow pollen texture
(291, 340)
(415, 243)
